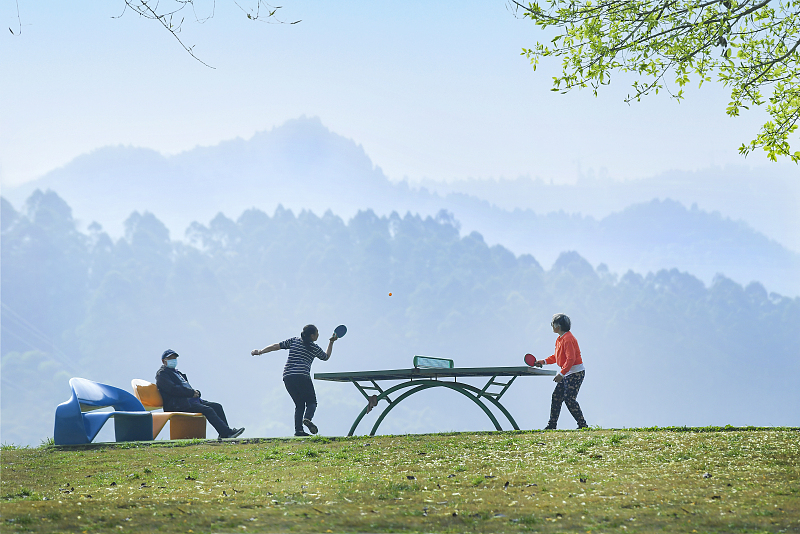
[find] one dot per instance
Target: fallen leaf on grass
(411, 477)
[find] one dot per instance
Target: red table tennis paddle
(530, 359)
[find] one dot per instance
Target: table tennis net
(428, 362)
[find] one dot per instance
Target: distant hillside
(767, 198)
(644, 237)
(659, 348)
(299, 165)
(303, 165)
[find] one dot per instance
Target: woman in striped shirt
(297, 374)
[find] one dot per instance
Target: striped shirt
(301, 356)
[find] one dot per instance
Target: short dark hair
(308, 331)
(562, 321)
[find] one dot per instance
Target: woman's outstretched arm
(273, 347)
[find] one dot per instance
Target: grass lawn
(671, 480)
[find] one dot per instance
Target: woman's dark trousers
(567, 392)
(301, 389)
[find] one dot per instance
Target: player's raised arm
(333, 338)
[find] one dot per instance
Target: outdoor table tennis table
(420, 379)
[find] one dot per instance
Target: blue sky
(431, 91)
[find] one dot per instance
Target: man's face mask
(173, 363)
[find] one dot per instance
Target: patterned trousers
(567, 392)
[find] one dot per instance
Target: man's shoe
(301, 434)
(550, 427)
(311, 426)
(584, 425)
(236, 432)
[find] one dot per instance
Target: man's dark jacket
(176, 393)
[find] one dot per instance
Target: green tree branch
(655, 39)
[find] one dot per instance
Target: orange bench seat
(183, 425)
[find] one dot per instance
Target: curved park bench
(77, 423)
(182, 426)
(430, 373)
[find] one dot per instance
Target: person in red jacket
(570, 378)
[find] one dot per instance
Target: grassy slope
(597, 480)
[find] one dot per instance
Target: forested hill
(740, 223)
(660, 348)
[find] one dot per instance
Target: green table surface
(418, 373)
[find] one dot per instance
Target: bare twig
(169, 27)
(151, 9)
(19, 21)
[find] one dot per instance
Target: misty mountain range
(644, 225)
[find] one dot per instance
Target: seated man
(179, 396)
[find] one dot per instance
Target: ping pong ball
(390, 294)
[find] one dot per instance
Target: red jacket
(567, 353)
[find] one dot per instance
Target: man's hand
(196, 394)
(538, 363)
(333, 338)
(255, 352)
(558, 378)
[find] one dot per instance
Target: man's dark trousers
(214, 414)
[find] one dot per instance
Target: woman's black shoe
(311, 426)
